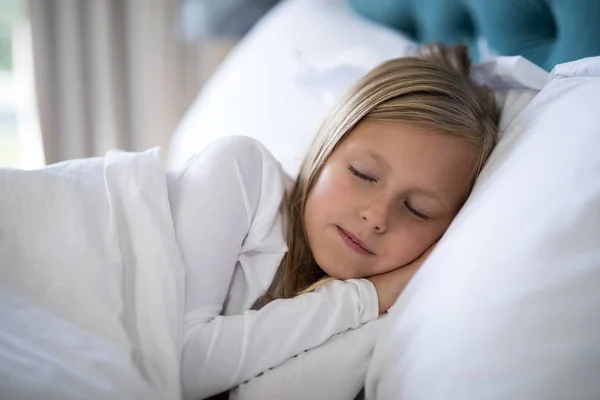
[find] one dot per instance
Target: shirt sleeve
(231, 190)
(336, 370)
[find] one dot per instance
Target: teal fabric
(447, 21)
(396, 14)
(546, 32)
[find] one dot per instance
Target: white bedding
(90, 272)
(90, 281)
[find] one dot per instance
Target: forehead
(415, 156)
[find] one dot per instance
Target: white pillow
(508, 305)
(514, 80)
(256, 91)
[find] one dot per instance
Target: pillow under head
(508, 305)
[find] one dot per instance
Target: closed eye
(360, 175)
(415, 212)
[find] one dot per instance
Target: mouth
(354, 242)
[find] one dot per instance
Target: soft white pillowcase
(507, 306)
(514, 80)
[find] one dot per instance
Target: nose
(376, 216)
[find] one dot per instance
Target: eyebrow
(429, 193)
(376, 157)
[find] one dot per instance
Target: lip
(354, 242)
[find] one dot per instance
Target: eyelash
(360, 175)
(416, 213)
(367, 178)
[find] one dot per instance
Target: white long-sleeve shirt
(336, 370)
(226, 205)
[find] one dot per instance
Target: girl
(388, 171)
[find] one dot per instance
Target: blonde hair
(433, 90)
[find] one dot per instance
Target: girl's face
(386, 194)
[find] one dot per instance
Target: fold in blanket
(93, 281)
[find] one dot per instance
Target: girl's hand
(390, 284)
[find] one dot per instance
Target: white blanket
(91, 281)
(91, 292)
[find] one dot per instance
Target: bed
(534, 338)
(91, 278)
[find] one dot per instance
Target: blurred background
(11, 22)
(78, 78)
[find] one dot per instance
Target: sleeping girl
(285, 266)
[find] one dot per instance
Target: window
(20, 141)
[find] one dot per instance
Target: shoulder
(242, 160)
(251, 159)
(240, 148)
(238, 157)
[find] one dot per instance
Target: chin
(335, 263)
(341, 273)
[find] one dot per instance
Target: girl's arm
(336, 370)
(225, 207)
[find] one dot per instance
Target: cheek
(329, 195)
(328, 204)
(409, 242)
(403, 247)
